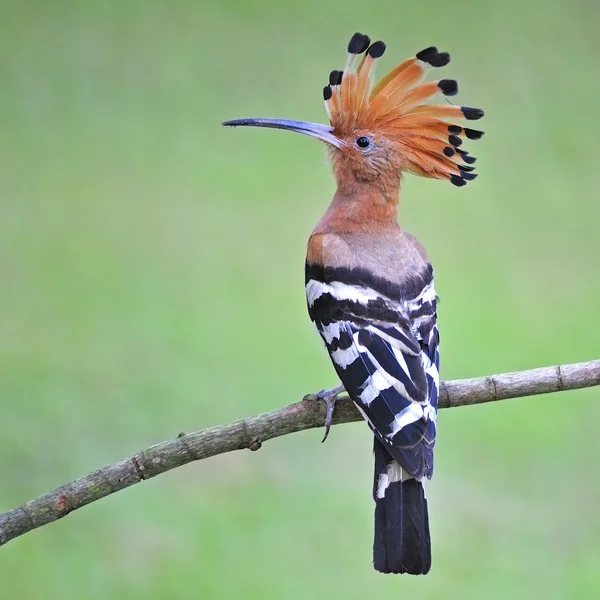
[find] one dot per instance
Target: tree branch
(251, 432)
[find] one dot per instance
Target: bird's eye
(363, 142)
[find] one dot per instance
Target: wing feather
(385, 351)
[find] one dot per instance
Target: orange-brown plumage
(395, 91)
(393, 74)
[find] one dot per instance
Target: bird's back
(390, 255)
(372, 298)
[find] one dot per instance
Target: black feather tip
(449, 87)
(327, 93)
(376, 49)
(441, 59)
(358, 43)
(471, 114)
(448, 151)
(454, 140)
(468, 176)
(457, 181)
(434, 58)
(473, 134)
(427, 54)
(455, 129)
(335, 77)
(466, 168)
(465, 156)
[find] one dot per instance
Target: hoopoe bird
(370, 285)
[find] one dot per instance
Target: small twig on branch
(252, 432)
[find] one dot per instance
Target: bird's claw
(329, 397)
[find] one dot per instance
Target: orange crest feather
(397, 106)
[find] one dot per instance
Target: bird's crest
(396, 106)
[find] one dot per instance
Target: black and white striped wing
(385, 351)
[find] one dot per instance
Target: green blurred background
(152, 282)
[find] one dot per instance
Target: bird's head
(384, 129)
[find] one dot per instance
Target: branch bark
(250, 433)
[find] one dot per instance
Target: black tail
(402, 543)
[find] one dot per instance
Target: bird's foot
(329, 397)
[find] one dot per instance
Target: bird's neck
(360, 205)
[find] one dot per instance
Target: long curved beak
(316, 130)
